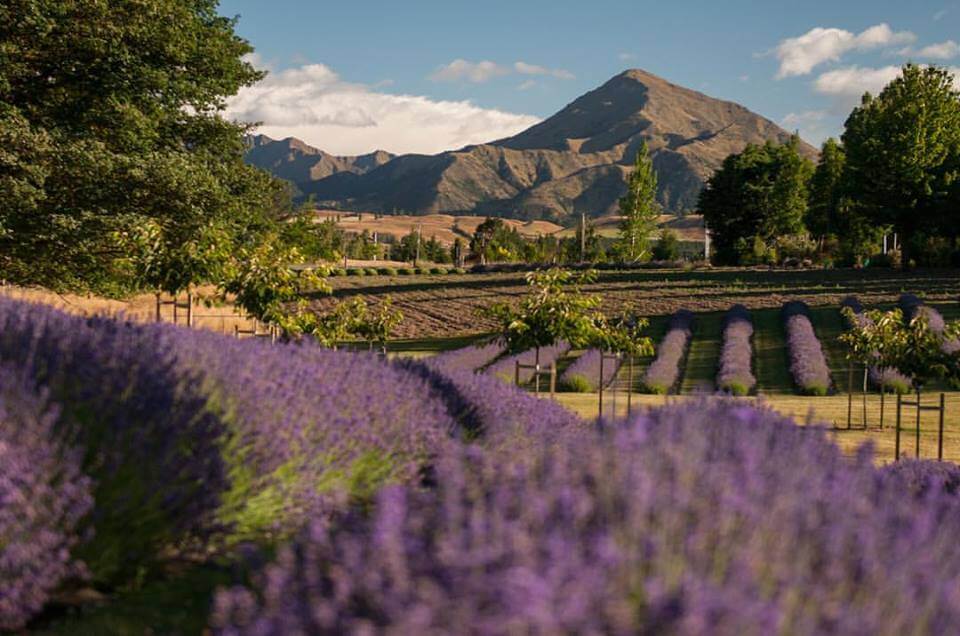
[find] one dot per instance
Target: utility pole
(583, 237)
(376, 246)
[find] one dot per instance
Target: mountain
(576, 161)
(295, 161)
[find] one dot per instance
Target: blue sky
(424, 76)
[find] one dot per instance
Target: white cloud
(940, 51)
(744, 78)
(627, 57)
(532, 69)
(939, 15)
(814, 125)
(314, 104)
(848, 84)
(476, 72)
(795, 120)
(526, 85)
(800, 55)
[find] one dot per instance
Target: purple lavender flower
(469, 358)
(43, 498)
(664, 372)
(736, 357)
(913, 307)
(583, 375)
(807, 362)
(715, 516)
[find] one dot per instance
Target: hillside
(575, 161)
(299, 163)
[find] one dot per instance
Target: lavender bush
(664, 372)
(807, 362)
(911, 306)
(43, 498)
(505, 368)
(714, 517)
(886, 378)
(470, 358)
(583, 376)
(736, 357)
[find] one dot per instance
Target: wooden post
(516, 374)
(236, 331)
(849, 395)
(629, 384)
(600, 388)
(864, 398)
(883, 394)
(896, 447)
(190, 310)
(158, 307)
(553, 379)
(176, 304)
(943, 405)
(917, 450)
(536, 372)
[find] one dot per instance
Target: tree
(639, 208)
(902, 151)
(113, 142)
(555, 309)
(668, 247)
(757, 195)
(826, 192)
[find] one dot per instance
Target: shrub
(439, 271)
(664, 372)
(668, 247)
(884, 378)
(807, 362)
(371, 271)
(422, 271)
(716, 517)
(913, 306)
(406, 271)
(736, 356)
(44, 496)
(356, 271)
(459, 270)
(339, 271)
(469, 358)
(583, 376)
(387, 271)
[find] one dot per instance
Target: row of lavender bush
(735, 374)
(911, 306)
(583, 376)
(190, 438)
(469, 358)
(505, 368)
(717, 517)
(664, 372)
(808, 365)
(886, 378)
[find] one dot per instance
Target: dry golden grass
(830, 411)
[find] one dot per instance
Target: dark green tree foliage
(903, 153)
(112, 142)
(826, 192)
(755, 197)
(639, 209)
(668, 247)
(494, 240)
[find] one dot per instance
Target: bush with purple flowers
(713, 517)
(912, 306)
(735, 374)
(505, 368)
(470, 358)
(808, 365)
(583, 376)
(43, 499)
(664, 372)
(887, 379)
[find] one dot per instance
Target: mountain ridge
(577, 160)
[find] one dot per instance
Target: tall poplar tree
(639, 208)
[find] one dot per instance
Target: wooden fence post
(158, 307)
(943, 405)
(553, 379)
(864, 398)
(629, 385)
(883, 395)
(849, 395)
(917, 449)
(896, 447)
(600, 386)
(516, 373)
(190, 310)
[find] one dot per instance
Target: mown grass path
(771, 359)
(701, 370)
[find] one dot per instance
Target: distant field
(447, 306)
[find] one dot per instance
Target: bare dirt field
(447, 306)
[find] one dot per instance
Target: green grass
(175, 605)
(704, 356)
(828, 323)
(771, 359)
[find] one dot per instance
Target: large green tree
(755, 197)
(902, 152)
(639, 208)
(826, 191)
(117, 168)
